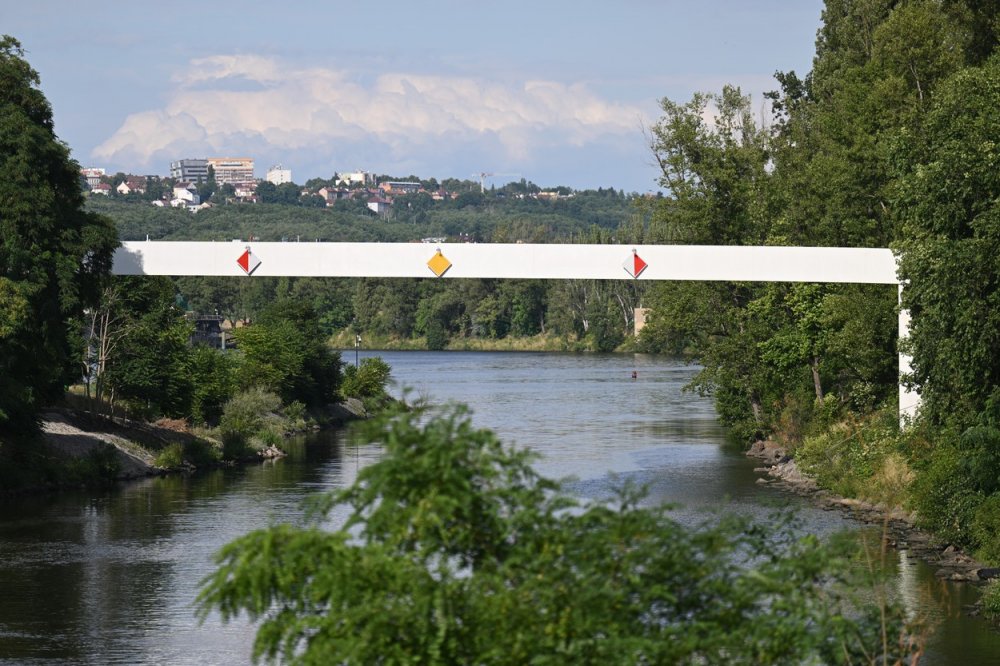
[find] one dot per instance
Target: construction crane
(483, 175)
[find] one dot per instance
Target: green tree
(285, 351)
(150, 367)
(54, 256)
(213, 374)
(207, 188)
(455, 551)
(948, 204)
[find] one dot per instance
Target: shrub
(271, 436)
(991, 599)
(850, 457)
(437, 336)
(244, 417)
(99, 467)
(986, 529)
(945, 498)
(234, 446)
(476, 559)
(171, 457)
(295, 411)
(244, 413)
(201, 453)
(368, 380)
(214, 376)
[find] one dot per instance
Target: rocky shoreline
(949, 562)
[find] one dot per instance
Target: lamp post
(357, 346)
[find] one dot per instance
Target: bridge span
(521, 261)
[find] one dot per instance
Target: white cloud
(267, 109)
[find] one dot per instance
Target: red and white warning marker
(248, 261)
(634, 265)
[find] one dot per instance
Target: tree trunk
(817, 384)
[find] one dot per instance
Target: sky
(559, 92)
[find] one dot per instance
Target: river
(111, 577)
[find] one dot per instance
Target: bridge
(522, 261)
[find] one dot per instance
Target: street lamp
(357, 346)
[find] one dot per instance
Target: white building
(185, 195)
(357, 177)
(93, 176)
(278, 175)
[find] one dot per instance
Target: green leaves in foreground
(456, 552)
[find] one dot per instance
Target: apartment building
(190, 170)
(278, 175)
(232, 170)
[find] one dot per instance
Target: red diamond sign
(634, 265)
(248, 261)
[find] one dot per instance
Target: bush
(945, 498)
(245, 417)
(201, 453)
(437, 336)
(196, 452)
(245, 412)
(214, 376)
(171, 457)
(234, 446)
(295, 413)
(268, 437)
(986, 529)
(991, 599)
(849, 455)
(100, 467)
(368, 380)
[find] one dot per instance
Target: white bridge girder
(524, 261)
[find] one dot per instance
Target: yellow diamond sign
(439, 264)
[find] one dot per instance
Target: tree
(455, 551)
(150, 368)
(285, 351)
(948, 205)
(54, 256)
(207, 188)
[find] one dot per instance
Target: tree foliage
(948, 203)
(455, 551)
(285, 351)
(53, 254)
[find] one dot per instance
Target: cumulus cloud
(327, 118)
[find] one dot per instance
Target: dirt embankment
(950, 562)
(73, 435)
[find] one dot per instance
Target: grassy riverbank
(543, 342)
(78, 448)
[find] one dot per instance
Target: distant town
(199, 183)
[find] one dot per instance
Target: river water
(111, 577)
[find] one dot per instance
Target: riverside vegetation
(888, 141)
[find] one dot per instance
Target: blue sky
(554, 91)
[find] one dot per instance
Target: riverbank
(950, 563)
(344, 340)
(76, 448)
